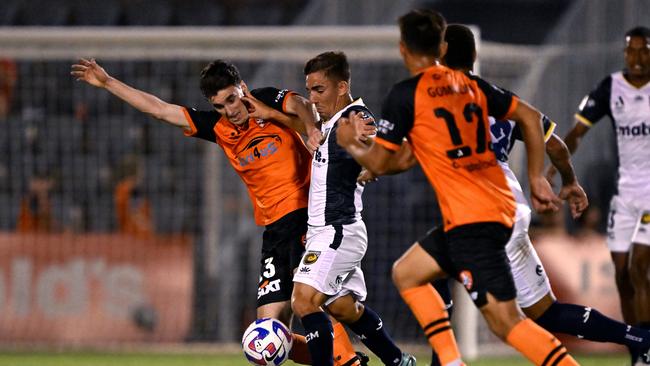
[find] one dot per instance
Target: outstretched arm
(92, 73)
(571, 190)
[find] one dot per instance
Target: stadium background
(78, 277)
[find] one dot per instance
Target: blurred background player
(35, 215)
(624, 96)
(132, 207)
(330, 275)
(477, 205)
(269, 157)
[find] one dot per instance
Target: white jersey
(503, 135)
(629, 110)
(334, 195)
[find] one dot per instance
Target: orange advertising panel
(89, 289)
(581, 272)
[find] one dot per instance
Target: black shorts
(475, 255)
(282, 246)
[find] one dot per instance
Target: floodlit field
(230, 359)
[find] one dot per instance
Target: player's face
(324, 93)
(228, 102)
(637, 57)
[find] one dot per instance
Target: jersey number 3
(460, 150)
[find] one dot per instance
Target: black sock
(442, 286)
(320, 338)
(588, 323)
(371, 331)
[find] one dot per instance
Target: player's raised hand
(363, 124)
(346, 133)
(542, 196)
(255, 107)
(315, 138)
(90, 72)
(575, 197)
(365, 177)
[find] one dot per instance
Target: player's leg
(367, 325)
(478, 252)
(640, 273)
(306, 302)
(412, 274)
(282, 248)
(442, 286)
(640, 267)
(281, 254)
(621, 223)
(535, 297)
(333, 252)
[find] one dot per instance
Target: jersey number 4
(469, 111)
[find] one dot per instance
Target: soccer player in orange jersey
(268, 156)
(444, 115)
(534, 293)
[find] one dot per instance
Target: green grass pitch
(230, 359)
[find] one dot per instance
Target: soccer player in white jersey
(329, 276)
(624, 96)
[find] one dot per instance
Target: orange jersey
(269, 157)
(444, 115)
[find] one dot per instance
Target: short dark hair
(461, 47)
(333, 63)
(422, 31)
(639, 31)
(219, 74)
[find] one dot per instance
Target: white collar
(338, 114)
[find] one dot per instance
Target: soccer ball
(267, 342)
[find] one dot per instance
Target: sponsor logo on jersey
(619, 103)
(281, 95)
(475, 165)
(384, 126)
(645, 218)
(259, 148)
(641, 129)
(267, 287)
(466, 279)
(311, 257)
(305, 270)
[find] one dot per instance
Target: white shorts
(332, 260)
(527, 270)
(628, 222)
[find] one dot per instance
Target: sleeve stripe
(583, 120)
(550, 131)
(387, 144)
(286, 98)
(193, 130)
(513, 106)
